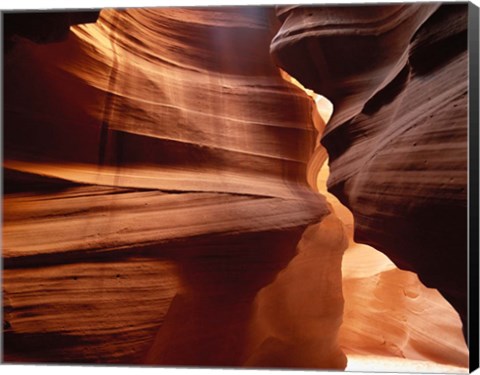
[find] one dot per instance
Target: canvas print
(237, 186)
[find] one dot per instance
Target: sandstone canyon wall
(397, 141)
(162, 187)
(151, 182)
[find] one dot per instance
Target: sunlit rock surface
(155, 167)
(389, 314)
(159, 204)
(397, 141)
(151, 103)
(297, 316)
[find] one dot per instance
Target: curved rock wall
(297, 317)
(397, 141)
(153, 187)
(151, 79)
(390, 319)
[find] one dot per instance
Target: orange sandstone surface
(166, 200)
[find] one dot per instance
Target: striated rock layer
(158, 191)
(143, 99)
(397, 141)
(155, 177)
(390, 319)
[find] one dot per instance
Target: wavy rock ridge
(397, 141)
(160, 186)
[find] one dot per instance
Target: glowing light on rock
(387, 312)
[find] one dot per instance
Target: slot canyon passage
(165, 187)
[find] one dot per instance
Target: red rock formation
(298, 315)
(154, 186)
(390, 313)
(391, 320)
(157, 208)
(397, 141)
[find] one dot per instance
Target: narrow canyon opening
(388, 314)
